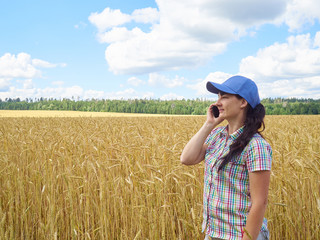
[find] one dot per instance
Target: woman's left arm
(259, 186)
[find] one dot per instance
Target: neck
(236, 123)
(232, 128)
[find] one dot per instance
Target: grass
(120, 178)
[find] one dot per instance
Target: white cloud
(289, 88)
(27, 83)
(42, 64)
(200, 85)
(290, 69)
(248, 11)
(153, 52)
(156, 79)
(308, 87)
(22, 66)
(129, 93)
(146, 15)
(118, 34)
(298, 57)
(108, 18)
(125, 94)
(301, 13)
(92, 94)
(4, 84)
(19, 66)
(26, 92)
(75, 92)
(316, 42)
(188, 37)
(134, 81)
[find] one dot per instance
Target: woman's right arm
(195, 149)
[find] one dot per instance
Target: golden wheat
(53, 113)
(121, 178)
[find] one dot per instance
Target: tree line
(276, 106)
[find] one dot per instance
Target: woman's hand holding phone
(213, 116)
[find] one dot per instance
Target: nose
(218, 102)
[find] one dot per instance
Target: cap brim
(216, 88)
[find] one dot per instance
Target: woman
(237, 162)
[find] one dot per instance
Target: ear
(244, 103)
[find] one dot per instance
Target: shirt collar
(234, 135)
(237, 133)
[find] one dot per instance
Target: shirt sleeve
(259, 156)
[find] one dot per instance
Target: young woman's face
(229, 105)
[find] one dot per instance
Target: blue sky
(163, 49)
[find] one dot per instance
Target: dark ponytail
(253, 123)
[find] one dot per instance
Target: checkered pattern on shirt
(226, 193)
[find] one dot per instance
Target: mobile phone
(215, 111)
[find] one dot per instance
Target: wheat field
(120, 178)
(54, 113)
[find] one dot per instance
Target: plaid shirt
(226, 200)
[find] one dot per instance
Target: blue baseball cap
(240, 85)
